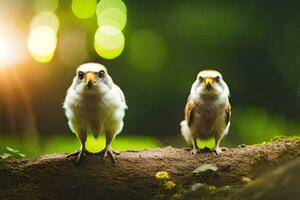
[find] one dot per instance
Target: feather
(188, 111)
(207, 111)
(121, 95)
(96, 110)
(228, 112)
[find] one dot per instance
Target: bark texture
(281, 183)
(133, 176)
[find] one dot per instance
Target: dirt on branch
(133, 176)
(281, 183)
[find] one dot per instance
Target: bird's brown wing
(188, 111)
(227, 112)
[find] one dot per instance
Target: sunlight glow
(109, 42)
(4, 52)
(42, 43)
(12, 49)
(84, 9)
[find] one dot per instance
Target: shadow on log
(133, 176)
(281, 183)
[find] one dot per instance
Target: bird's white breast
(93, 112)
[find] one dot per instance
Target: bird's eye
(217, 78)
(101, 73)
(200, 78)
(80, 75)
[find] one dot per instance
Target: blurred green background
(254, 44)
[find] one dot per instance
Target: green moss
(295, 138)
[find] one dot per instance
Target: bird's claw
(195, 151)
(218, 151)
(79, 153)
(109, 151)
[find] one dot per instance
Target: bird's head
(92, 78)
(210, 82)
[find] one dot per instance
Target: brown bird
(208, 111)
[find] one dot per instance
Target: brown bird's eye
(217, 78)
(80, 75)
(200, 78)
(101, 74)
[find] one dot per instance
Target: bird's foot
(79, 153)
(219, 150)
(109, 151)
(195, 151)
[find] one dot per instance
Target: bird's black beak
(90, 79)
(208, 83)
(90, 84)
(208, 86)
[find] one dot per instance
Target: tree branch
(281, 183)
(133, 176)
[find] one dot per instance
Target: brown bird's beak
(208, 82)
(90, 79)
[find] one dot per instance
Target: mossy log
(133, 175)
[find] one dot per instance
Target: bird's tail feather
(185, 131)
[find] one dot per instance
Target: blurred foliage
(254, 44)
(11, 153)
(63, 144)
(252, 124)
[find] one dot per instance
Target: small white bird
(94, 105)
(208, 111)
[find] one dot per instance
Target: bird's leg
(82, 151)
(195, 148)
(217, 148)
(108, 150)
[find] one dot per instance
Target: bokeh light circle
(112, 16)
(109, 42)
(42, 43)
(84, 8)
(46, 5)
(46, 18)
(106, 4)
